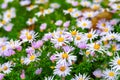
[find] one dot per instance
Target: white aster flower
(62, 70)
(65, 57)
(84, 24)
(110, 74)
(31, 21)
(81, 77)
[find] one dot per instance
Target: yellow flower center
(60, 39)
(61, 32)
(3, 48)
(106, 29)
(105, 42)
(87, 52)
(42, 0)
(76, 14)
(70, 10)
(3, 22)
(62, 68)
(78, 37)
(84, 24)
(21, 61)
(112, 36)
(5, 68)
(111, 74)
(89, 15)
(9, 15)
(96, 46)
(29, 37)
(31, 6)
(103, 25)
(73, 33)
(89, 35)
(32, 57)
(118, 62)
(31, 20)
(52, 67)
(118, 6)
(114, 48)
(96, 7)
(80, 79)
(64, 55)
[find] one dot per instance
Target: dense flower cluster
(84, 45)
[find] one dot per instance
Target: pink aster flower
(47, 37)
(30, 50)
(67, 48)
(58, 23)
(53, 58)
(66, 24)
(43, 26)
(75, 3)
(1, 76)
(38, 71)
(19, 48)
(82, 45)
(4, 5)
(97, 73)
(22, 76)
(37, 44)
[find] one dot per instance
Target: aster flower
(27, 35)
(49, 10)
(43, 26)
(31, 7)
(47, 37)
(90, 14)
(76, 14)
(55, 5)
(115, 63)
(58, 22)
(95, 6)
(80, 38)
(38, 71)
(97, 73)
(8, 27)
(66, 24)
(59, 40)
(103, 24)
(115, 6)
(62, 70)
(25, 2)
(1, 76)
(69, 11)
(85, 3)
(65, 58)
(81, 77)
(37, 44)
(6, 67)
(49, 78)
(14, 44)
(96, 47)
(75, 3)
(91, 35)
(22, 76)
(84, 24)
(31, 21)
(110, 74)
(4, 49)
(31, 58)
(97, 1)
(41, 1)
